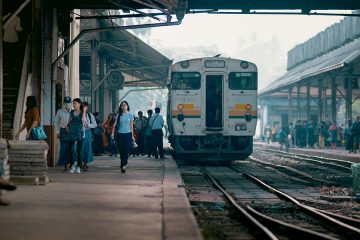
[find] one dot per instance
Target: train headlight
(180, 106)
(244, 64)
(185, 64)
(248, 107)
(180, 116)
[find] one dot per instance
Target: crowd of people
(305, 134)
(82, 135)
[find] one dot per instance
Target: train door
(214, 102)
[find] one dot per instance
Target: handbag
(39, 133)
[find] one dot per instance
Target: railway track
(325, 171)
(338, 164)
(298, 214)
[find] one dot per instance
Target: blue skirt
(86, 151)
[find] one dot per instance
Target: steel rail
(302, 174)
(297, 230)
(263, 229)
(349, 229)
(314, 159)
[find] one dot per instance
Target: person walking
(87, 139)
(322, 135)
(348, 137)
(140, 126)
(61, 120)
(98, 130)
(333, 135)
(148, 142)
(31, 118)
(157, 123)
(75, 129)
(108, 125)
(124, 130)
(355, 132)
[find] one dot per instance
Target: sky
(262, 39)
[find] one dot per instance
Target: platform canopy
(130, 58)
(341, 63)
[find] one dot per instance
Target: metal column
(320, 102)
(308, 86)
(1, 73)
(333, 99)
(102, 65)
(290, 116)
(298, 102)
(348, 98)
(94, 55)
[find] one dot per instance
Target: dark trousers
(157, 139)
(75, 152)
(140, 139)
(98, 147)
(64, 148)
(148, 145)
(123, 141)
(112, 148)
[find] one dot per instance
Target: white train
(212, 108)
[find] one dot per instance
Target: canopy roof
(340, 63)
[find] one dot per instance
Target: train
(212, 108)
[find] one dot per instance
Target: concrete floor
(147, 202)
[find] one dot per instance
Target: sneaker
(163, 157)
(123, 169)
(78, 170)
(73, 168)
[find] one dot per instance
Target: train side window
(243, 81)
(185, 80)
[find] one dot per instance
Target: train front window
(243, 81)
(185, 80)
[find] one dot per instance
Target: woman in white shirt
(86, 150)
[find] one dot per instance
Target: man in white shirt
(157, 123)
(61, 121)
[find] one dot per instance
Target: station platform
(146, 202)
(338, 153)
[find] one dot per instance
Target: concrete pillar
(333, 99)
(1, 73)
(298, 99)
(37, 50)
(308, 89)
(73, 88)
(290, 116)
(348, 98)
(261, 109)
(94, 56)
(320, 102)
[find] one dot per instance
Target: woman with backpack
(76, 133)
(124, 130)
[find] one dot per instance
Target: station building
(321, 82)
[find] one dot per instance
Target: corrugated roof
(335, 59)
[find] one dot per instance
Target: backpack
(75, 127)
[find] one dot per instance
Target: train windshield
(185, 80)
(243, 81)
